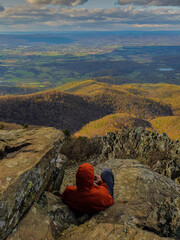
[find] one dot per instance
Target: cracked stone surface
(28, 162)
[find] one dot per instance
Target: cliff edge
(27, 164)
(147, 193)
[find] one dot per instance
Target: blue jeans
(108, 177)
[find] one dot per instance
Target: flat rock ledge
(28, 163)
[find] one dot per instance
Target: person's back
(85, 196)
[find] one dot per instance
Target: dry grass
(111, 123)
(169, 125)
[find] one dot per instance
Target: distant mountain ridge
(50, 108)
(74, 105)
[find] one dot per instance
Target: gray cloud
(69, 3)
(1, 8)
(77, 18)
(150, 2)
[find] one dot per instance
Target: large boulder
(46, 219)
(143, 199)
(107, 231)
(36, 225)
(27, 167)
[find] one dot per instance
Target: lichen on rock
(28, 164)
(150, 148)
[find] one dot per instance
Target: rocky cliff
(147, 198)
(27, 168)
(157, 151)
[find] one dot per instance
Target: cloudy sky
(83, 15)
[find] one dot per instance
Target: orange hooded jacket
(85, 196)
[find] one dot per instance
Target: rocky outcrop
(143, 199)
(146, 203)
(47, 219)
(28, 166)
(150, 148)
(107, 231)
(82, 149)
(146, 206)
(34, 226)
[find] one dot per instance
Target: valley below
(89, 83)
(31, 62)
(111, 99)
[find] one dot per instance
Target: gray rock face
(150, 148)
(60, 213)
(57, 176)
(27, 165)
(47, 219)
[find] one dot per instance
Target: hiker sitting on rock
(86, 196)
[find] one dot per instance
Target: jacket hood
(85, 177)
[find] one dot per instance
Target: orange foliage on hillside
(111, 123)
(139, 99)
(169, 125)
(118, 99)
(81, 102)
(166, 93)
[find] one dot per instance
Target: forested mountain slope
(51, 108)
(83, 102)
(112, 123)
(130, 98)
(121, 100)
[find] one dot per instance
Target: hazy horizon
(95, 31)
